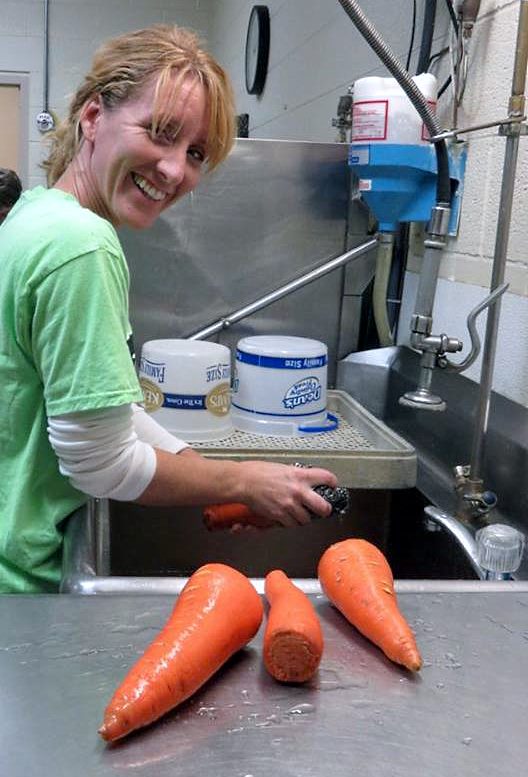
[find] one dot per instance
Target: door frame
(22, 81)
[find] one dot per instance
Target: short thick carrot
(225, 516)
(216, 614)
(357, 579)
(293, 640)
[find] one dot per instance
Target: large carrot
(357, 579)
(293, 640)
(225, 516)
(216, 614)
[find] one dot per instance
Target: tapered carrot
(216, 614)
(293, 640)
(357, 579)
(225, 516)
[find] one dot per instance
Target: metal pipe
(46, 54)
(283, 291)
(486, 125)
(427, 282)
(472, 356)
(392, 64)
(521, 53)
(501, 243)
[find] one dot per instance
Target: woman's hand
(278, 493)
(283, 493)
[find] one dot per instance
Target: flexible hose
(375, 41)
(381, 284)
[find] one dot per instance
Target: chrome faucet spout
(463, 536)
(495, 551)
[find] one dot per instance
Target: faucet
(495, 552)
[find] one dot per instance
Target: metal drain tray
(362, 452)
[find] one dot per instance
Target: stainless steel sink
(113, 547)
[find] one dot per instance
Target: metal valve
(45, 122)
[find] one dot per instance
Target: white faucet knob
(500, 548)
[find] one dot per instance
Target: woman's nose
(172, 165)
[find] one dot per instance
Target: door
(14, 149)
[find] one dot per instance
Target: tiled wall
(315, 54)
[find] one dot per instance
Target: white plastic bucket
(280, 386)
(187, 387)
(382, 112)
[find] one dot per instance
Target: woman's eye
(197, 154)
(160, 136)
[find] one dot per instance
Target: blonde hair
(123, 65)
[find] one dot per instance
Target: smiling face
(127, 173)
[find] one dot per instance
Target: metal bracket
(503, 124)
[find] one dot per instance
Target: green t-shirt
(63, 348)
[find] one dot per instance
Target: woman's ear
(89, 117)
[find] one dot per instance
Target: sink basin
(123, 547)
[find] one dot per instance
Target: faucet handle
(500, 549)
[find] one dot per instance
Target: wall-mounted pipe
(45, 121)
(46, 55)
(283, 291)
(513, 132)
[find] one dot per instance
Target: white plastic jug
(382, 112)
(187, 387)
(280, 385)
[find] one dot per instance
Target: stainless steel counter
(464, 715)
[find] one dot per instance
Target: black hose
(452, 14)
(443, 181)
(411, 42)
(427, 37)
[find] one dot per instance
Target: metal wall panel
(273, 211)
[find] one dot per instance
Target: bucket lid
(285, 345)
(182, 347)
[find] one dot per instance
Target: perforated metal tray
(363, 452)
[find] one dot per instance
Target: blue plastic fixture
(398, 182)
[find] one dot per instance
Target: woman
(152, 114)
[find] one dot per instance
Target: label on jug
(218, 400)
(369, 120)
(302, 393)
(152, 395)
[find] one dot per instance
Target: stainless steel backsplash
(273, 211)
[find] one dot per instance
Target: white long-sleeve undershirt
(109, 453)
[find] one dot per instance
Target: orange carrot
(216, 614)
(225, 516)
(293, 640)
(357, 579)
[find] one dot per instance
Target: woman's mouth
(147, 189)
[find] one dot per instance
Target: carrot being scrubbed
(216, 614)
(293, 640)
(225, 516)
(357, 579)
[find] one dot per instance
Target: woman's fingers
(320, 477)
